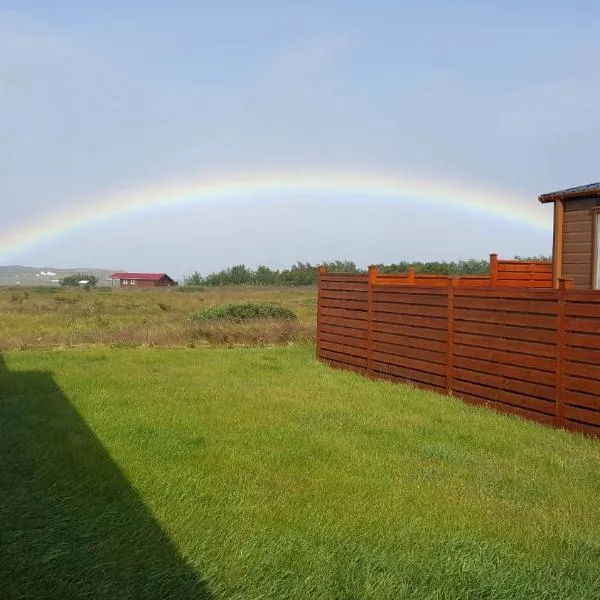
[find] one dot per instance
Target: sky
(99, 101)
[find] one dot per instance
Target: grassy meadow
(68, 318)
(247, 473)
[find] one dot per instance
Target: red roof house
(143, 279)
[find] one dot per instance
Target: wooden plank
(413, 351)
(578, 226)
(431, 322)
(343, 304)
(578, 369)
(583, 325)
(343, 339)
(327, 286)
(344, 322)
(410, 331)
(582, 340)
(546, 307)
(572, 246)
(346, 359)
(524, 267)
(547, 322)
(345, 295)
(360, 334)
(527, 361)
(530, 415)
(415, 290)
(409, 309)
(405, 340)
(505, 294)
(504, 396)
(581, 384)
(344, 349)
(540, 336)
(502, 379)
(589, 430)
(580, 237)
(344, 366)
(344, 278)
(407, 374)
(581, 399)
(581, 309)
(515, 348)
(402, 299)
(586, 296)
(410, 363)
(358, 315)
(582, 415)
(587, 356)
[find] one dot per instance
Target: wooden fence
(531, 351)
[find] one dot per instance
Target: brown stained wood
(409, 309)
(506, 294)
(409, 290)
(524, 277)
(582, 340)
(588, 296)
(516, 361)
(584, 357)
(346, 359)
(571, 246)
(358, 351)
(540, 307)
(419, 300)
(410, 363)
(580, 384)
(583, 325)
(344, 366)
(581, 237)
(514, 348)
(343, 339)
(405, 340)
(541, 336)
(343, 287)
(505, 318)
(412, 352)
(575, 398)
(524, 267)
(360, 334)
(504, 396)
(407, 375)
(498, 380)
(344, 295)
(359, 315)
(343, 304)
(545, 419)
(360, 324)
(344, 278)
(582, 309)
(411, 331)
(403, 319)
(588, 430)
(583, 415)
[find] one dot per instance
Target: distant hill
(13, 275)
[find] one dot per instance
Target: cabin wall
(578, 243)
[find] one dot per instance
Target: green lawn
(258, 473)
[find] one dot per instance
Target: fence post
(320, 273)
(449, 334)
(494, 269)
(559, 417)
(410, 275)
(372, 280)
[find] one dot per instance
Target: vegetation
(73, 280)
(64, 317)
(244, 311)
(258, 473)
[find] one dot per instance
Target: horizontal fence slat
(359, 351)
(540, 336)
(419, 299)
(406, 375)
(343, 358)
(516, 348)
(583, 415)
(360, 334)
(438, 334)
(466, 371)
(344, 322)
(410, 363)
(345, 295)
(582, 340)
(413, 351)
(410, 309)
(546, 366)
(505, 318)
(347, 340)
(344, 278)
(344, 304)
(507, 293)
(496, 304)
(405, 340)
(582, 384)
(359, 315)
(583, 325)
(431, 322)
(333, 286)
(575, 398)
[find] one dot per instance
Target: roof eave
(545, 198)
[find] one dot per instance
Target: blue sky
(98, 97)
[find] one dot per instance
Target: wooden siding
(526, 351)
(577, 242)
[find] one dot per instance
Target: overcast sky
(113, 95)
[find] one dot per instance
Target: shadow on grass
(71, 525)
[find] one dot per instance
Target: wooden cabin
(576, 247)
(143, 279)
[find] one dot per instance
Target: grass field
(63, 318)
(250, 473)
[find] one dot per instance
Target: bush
(244, 311)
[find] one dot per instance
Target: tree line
(306, 273)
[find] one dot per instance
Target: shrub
(244, 311)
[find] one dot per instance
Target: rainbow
(251, 186)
